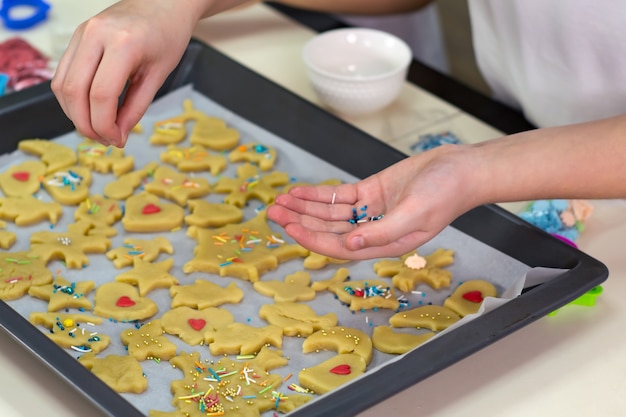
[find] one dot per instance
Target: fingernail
(356, 243)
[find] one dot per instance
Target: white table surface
(571, 364)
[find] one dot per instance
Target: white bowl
(356, 71)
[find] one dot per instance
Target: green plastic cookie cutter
(588, 299)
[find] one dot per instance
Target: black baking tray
(35, 113)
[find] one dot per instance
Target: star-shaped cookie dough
(148, 342)
(62, 294)
(71, 246)
(245, 250)
(250, 184)
(295, 287)
(148, 276)
(203, 294)
(177, 187)
(146, 249)
(406, 278)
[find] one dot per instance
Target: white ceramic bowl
(356, 71)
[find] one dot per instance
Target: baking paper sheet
(472, 260)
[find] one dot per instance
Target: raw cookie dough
(54, 155)
(99, 210)
(124, 186)
(146, 249)
(148, 342)
(69, 187)
(406, 278)
(341, 340)
(468, 297)
(295, 287)
(146, 213)
(18, 271)
(207, 214)
(121, 373)
(23, 179)
(27, 210)
(241, 339)
(122, 302)
(396, 343)
(428, 317)
(245, 250)
(73, 331)
(203, 294)
(148, 276)
(104, 159)
(208, 131)
(316, 261)
(190, 324)
(168, 131)
(257, 154)
(359, 295)
(70, 247)
(332, 373)
(296, 319)
(177, 187)
(194, 159)
(250, 184)
(62, 294)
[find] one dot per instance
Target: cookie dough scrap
(27, 210)
(341, 340)
(18, 271)
(411, 269)
(295, 287)
(386, 340)
(245, 250)
(203, 294)
(332, 373)
(256, 153)
(249, 184)
(124, 186)
(68, 187)
(54, 155)
(296, 319)
(359, 295)
(194, 159)
(245, 388)
(431, 317)
(71, 247)
(207, 214)
(62, 294)
(121, 373)
(177, 187)
(7, 239)
(146, 213)
(22, 179)
(241, 339)
(148, 342)
(122, 302)
(468, 297)
(190, 324)
(146, 249)
(73, 331)
(104, 159)
(148, 276)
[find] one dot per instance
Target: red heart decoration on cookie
(150, 209)
(21, 175)
(341, 370)
(196, 324)
(473, 296)
(125, 301)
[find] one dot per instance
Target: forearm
(364, 7)
(577, 161)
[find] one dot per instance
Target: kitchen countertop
(570, 364)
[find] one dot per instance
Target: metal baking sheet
(488, 242)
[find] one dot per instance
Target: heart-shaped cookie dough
(122, 302)
(146, 212)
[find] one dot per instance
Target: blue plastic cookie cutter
(40, 13)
